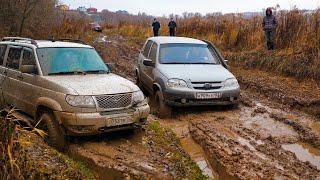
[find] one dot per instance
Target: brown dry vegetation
(242, 40)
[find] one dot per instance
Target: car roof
(170, 40)
(47, 44)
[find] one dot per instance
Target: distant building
(122, 12)
(82, 9)
(92, 10)
(63, 7)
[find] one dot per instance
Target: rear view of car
(185, 72)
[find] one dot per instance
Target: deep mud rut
(262, 138)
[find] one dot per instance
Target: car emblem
(207, 86)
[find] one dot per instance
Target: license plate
(118, 121)
(208, 95)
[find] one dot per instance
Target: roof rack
(15, 39)
(69, 40)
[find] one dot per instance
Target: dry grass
(243, 43)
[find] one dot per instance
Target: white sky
(166, 7)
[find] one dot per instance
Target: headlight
(231, 83)
(138, 97)
(176, 83)
(81, 101)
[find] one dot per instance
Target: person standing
(269, 25)
(172, 27)
(155, 26)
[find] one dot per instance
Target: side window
(147, 48)
(153, 52)
(3, 49)
(28, 57)
(14, 57)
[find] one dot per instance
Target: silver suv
(67, 88)
(185, 72)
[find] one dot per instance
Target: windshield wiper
(205, 63)
(65, 73)
(97, 71)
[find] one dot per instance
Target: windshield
(186, 54)
(70, 60)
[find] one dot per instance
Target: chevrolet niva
(67, 89)
(180, 71)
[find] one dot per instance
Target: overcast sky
(166, 7)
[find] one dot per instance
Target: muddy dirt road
(264, 138)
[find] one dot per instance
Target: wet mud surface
(273, 134)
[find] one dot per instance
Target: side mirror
(148, 62)
(111, 66)
(29, 69)
(226, 61)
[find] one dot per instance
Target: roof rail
(71, 40)
(15, 39)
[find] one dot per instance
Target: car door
(3, 74)
(13, 93)
(27, 82)
(149, 69)
(144, 69)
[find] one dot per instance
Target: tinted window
(186, 54)
(13, 58)
(28, 57)
(2, 53)
(153, 52)
(147, 48)
(55, 61)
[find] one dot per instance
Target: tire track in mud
(247, 143)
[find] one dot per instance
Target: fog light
(183, 101)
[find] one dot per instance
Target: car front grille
(116, 101)
(207, 85)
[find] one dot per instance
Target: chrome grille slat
(116, 101)
(201, 85)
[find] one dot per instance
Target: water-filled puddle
(304, 153)
(197, 154)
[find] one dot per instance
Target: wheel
(162, 110)
(56, 135)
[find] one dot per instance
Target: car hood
(94, 84)
(196, 72)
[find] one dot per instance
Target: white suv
(68, 88)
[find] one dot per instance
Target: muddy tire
(56, 135)
(162, 110)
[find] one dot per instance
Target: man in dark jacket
(269, 25)
(172, 27)
(156, 26)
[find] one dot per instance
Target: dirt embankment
(29, 157)
(302, 95)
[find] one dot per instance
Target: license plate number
(118, 121)
(208, 95)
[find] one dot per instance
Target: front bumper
(185, 98)
(82, 124)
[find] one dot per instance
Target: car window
(3, 49)
(14, 57)
(147, 48)
(153, 52)
(187, 54)
(28, 57)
